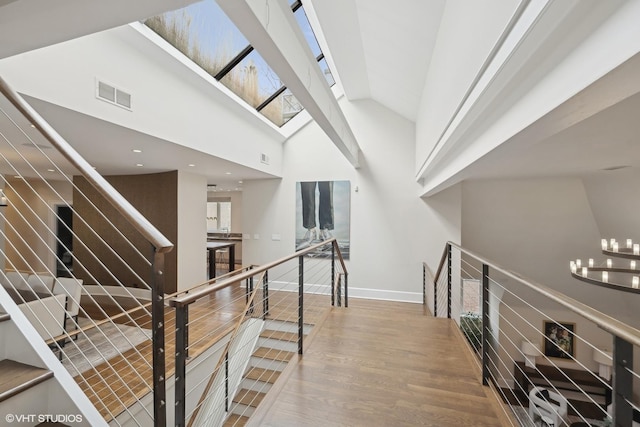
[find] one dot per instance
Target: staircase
(277, 345)
(21, 387)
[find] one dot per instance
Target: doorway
(64, 241)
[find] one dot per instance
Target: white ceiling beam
(272, 30)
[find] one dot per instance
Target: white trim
(386, 295)
(365, 293)
(118, 291)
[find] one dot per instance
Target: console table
(562, 379)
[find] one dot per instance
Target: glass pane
(225, 217)
(303, 21)
(252, 80)
(212, 217)
(326, 71)
(202, 32)
(282, 108)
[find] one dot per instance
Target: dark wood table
(213, 247)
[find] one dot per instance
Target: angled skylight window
(203, 33)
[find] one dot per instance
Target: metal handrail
(131, 214)
(192, 297)
(605, 322)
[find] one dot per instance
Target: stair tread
(279, 335)
(265, 375)
(235, 420)
(4, 317)
(273, 354)
(249, 397)
(16, 377)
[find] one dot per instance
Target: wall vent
(264, 159)
(113, 95)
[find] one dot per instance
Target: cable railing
(86, 267)
(551, 359)
(261, 320)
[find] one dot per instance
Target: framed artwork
(323, 212)
(559, 339)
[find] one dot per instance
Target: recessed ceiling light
(139, 165)
(135, 150)
(191, 165)
(32, 125)
(227, 173)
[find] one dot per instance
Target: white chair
(72, 288)
(17, 280)
(41, 283)
(548, 407)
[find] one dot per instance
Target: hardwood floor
(382, 364)
(375, 363)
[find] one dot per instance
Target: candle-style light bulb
(584, 271)
(604, 244)
(615, 246)
(612, 241)
(629, 243)
(632, 265)
(609, 263)
(636, 249)
(636, 282)
(605, 276)
(590, 262)
(572, 266)
(579, 263)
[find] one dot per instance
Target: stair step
(279, 335)
(250, 398)
(235, 420)
(265, 375)
(273, 354)
(16, 377)
(4, 317)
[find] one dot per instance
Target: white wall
(451, 74)
(536, 226)
(171, 100)
(392, 229)
(192, 230)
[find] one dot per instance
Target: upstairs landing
(380, 363)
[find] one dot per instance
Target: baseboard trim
(365, 293)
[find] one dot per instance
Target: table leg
(212, 263)
(232, 258)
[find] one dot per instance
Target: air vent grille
(113, 95)
(264, 158)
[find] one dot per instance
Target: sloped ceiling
(382, 49)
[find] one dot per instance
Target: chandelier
(622, 274)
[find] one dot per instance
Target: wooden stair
(257, 380)
(16, 377)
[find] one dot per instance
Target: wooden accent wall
(155, 196)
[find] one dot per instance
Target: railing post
(181, 364)
(622, 382)
(157, 331)
(333, 274)
(346, 289)
(226, 381)
(265, 301)
(300, 301)
(449, 268)
(485, 324)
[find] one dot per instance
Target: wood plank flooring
(382, 364)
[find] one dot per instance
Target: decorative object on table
(559, 339)
(530, 351)
(605, 361)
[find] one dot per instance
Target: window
(204, 34)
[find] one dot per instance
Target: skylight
(204, 34)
